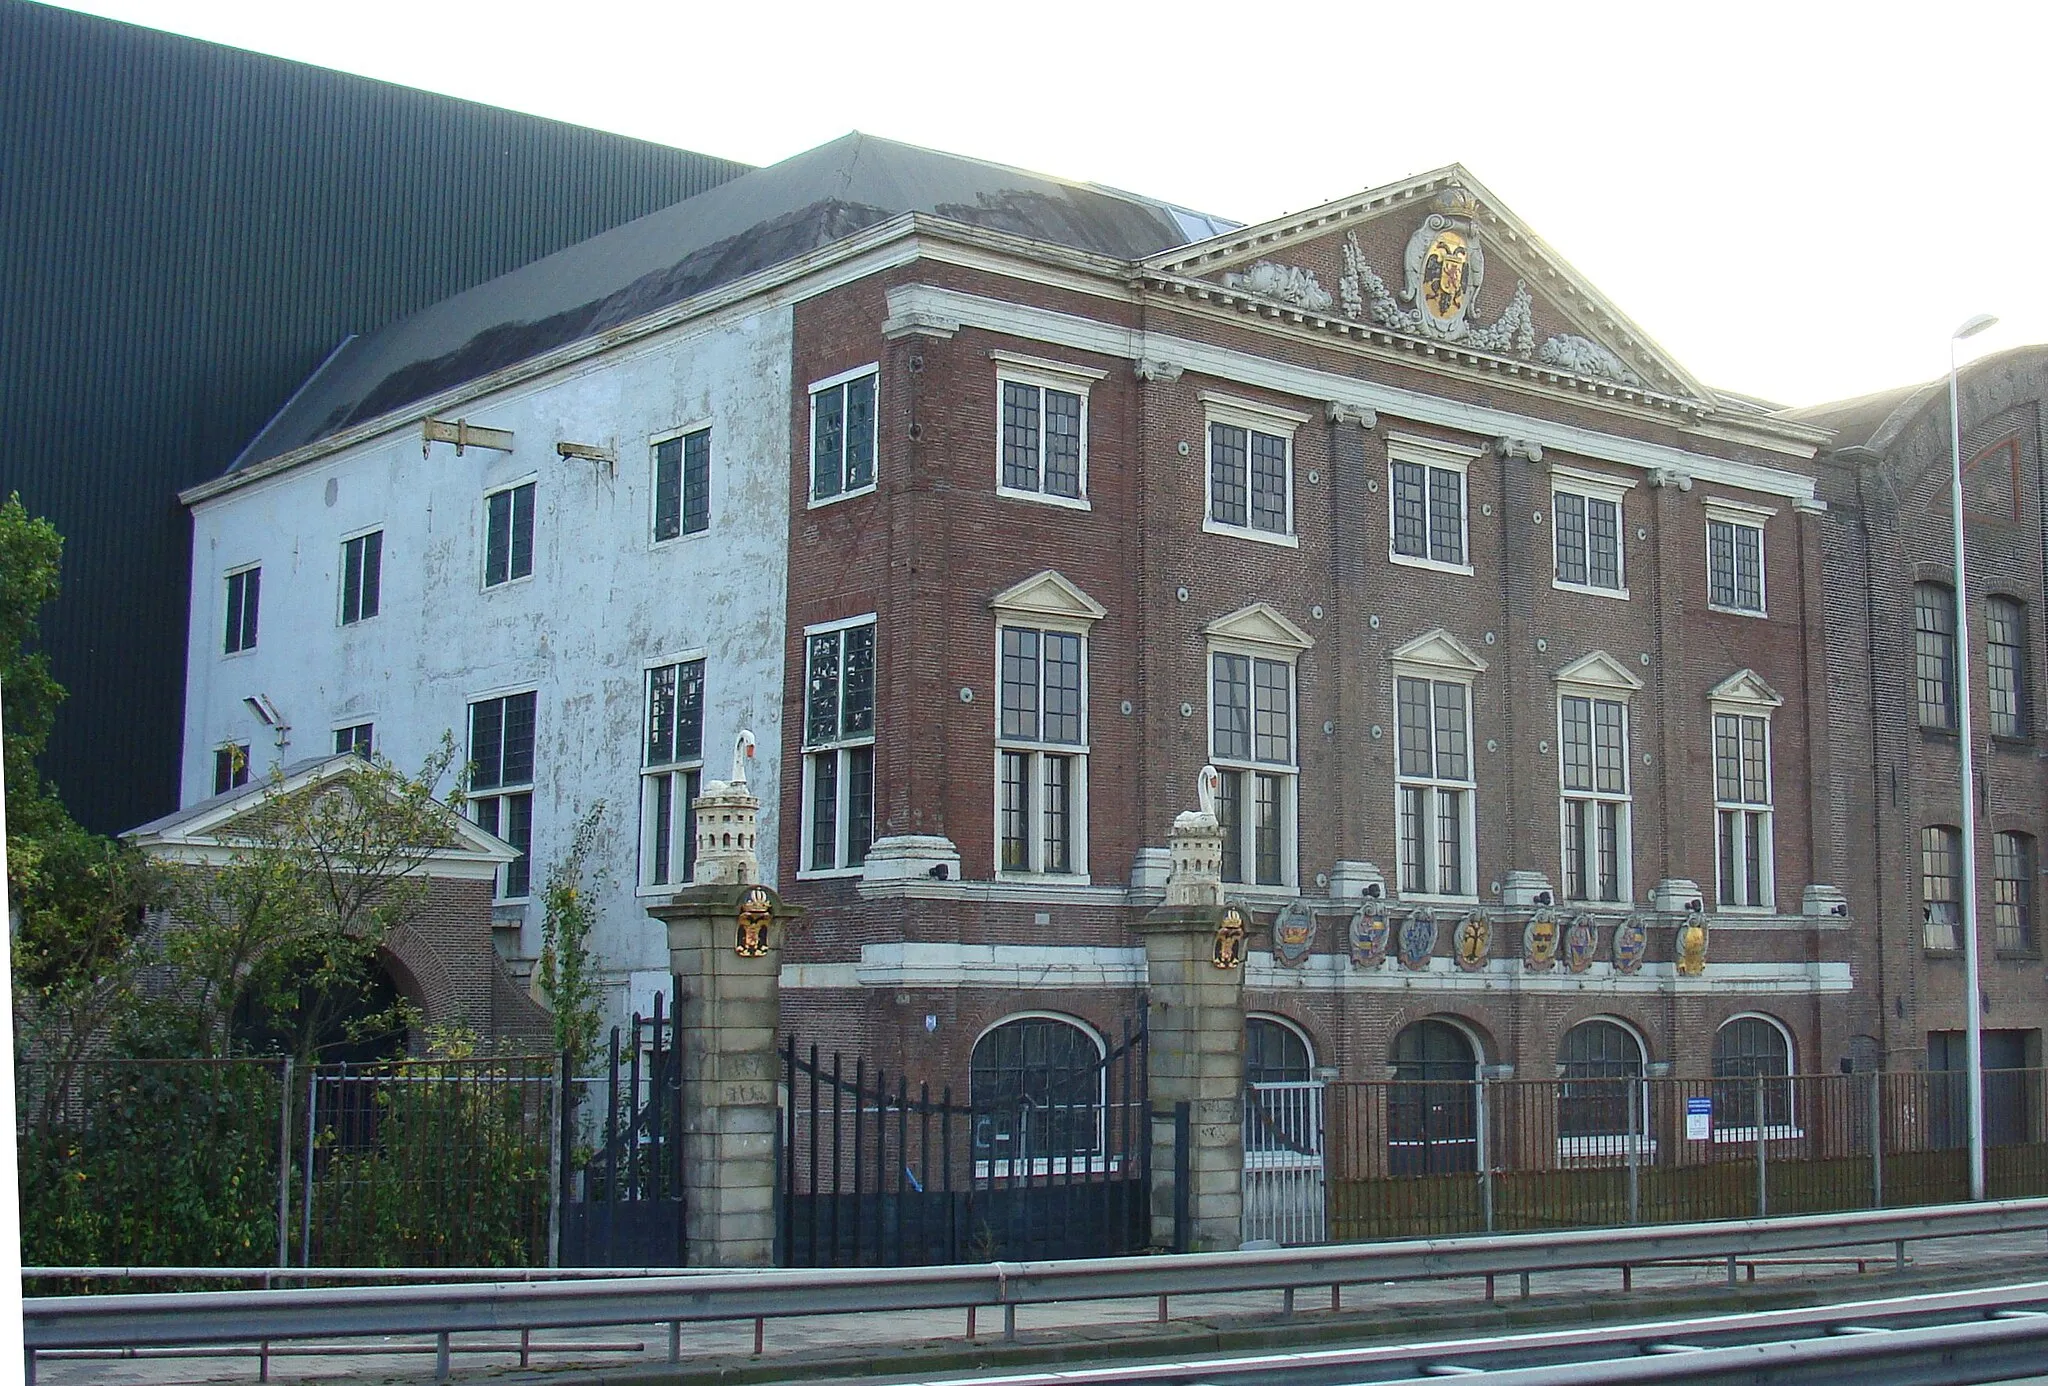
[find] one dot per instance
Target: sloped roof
(758, 220)
(1858, 421)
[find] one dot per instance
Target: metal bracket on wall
(606, 457)
(463, 434)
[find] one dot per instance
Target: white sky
(1797, 200)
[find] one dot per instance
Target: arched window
(1934, 654)
(1274, 1052)
(1603, 1064)
(1432, 1109)
(1036, 1090)
(1752, 1060)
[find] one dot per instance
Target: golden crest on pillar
(756, 913)
(1230, 934)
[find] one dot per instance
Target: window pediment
(1745, 688)
(1599, 670)
(1260, 624)
(1048, 596)
(1438, 650)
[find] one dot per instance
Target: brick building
(1893, 777)
(997, 507)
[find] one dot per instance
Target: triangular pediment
(209, 829)
(1048, 596)
(1260, 624)
(1438, 259)
(1599, 670)
(1439, 650)
(1745, 688)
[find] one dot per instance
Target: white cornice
(1480, 421)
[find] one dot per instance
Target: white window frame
(1721, 510)
(341, 605)
(1258, 632)
(484, 550)
(1042, 375)
(1745, 695)
(677, 772)
(1438, 657)
(819, 387)
(1433, 454)
(1616, 1145)
(503, 791)
(1592, 486)
(1602, 678)
(227, 580)
(1050, 1165)
(1747, 1135)
(1253, 416)
(351, 724)
(838, 746)
(654, 442)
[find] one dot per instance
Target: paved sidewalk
(855, 1342)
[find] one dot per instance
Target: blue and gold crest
(1369, 935)
(1579, 943)
(1418, 940)
(1294, 934)
(1539, 941)
(1631, 941)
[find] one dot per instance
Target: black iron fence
(623, 1205)
(875, 1171)
(1439, 1158)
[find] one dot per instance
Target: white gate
(1283, 1163)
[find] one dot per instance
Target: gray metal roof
(758, 220)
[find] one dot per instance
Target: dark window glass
(821, 702)
(828, 442)
(1232, 703)
(2012, 891)
(1411, 510)
(1036, 1089)
(860, 803)
(354, 739)
(1269, 483)
(519, 833)
(244, 593)
(1229, 501)
(1020, 684)
(1020, 436)
(664, 826)
(1230, 817)
(1418, 754)
(1059, 816)
(1062, 687)
(1273, 1053)
(1934, 654)
(1266, 830)
(508, 534)
(362, 577)
(1273, 713)
(858, 715)
(1446, 515)
(1601, 1063)
(1746, 1050)
(1568, 515)
(1452, 760)
(675, 712)
(1062, 444)
(1941, 886)
(1016, 810)
(697, 482)
(2006, 689)
(1735, 570)
(860, 432)
(1432, 1108)
(824, 811)
(1603, 543)
(230, 768)
(668, 489)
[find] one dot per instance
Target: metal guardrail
(243, 1316)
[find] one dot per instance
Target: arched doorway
(1432, 1105)
(1283, 1135)
(1036, 1086)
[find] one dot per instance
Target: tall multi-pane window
(1934, 654)
(1586, 534)
(1742, 810)
(1602, 1067)
(1042, 448)
(1251, 742)
(1435, 786)
(1593, 761)
(671, 772)
(2012, 891)
(843, 434)
(2006, 655)
(1428, 511)
(1248, 480)
(1041, 752)
(362, 577)
(682, 485)
(245, 590)
(1735, 564)
(508, 534)
(839, 745)
(1941, 887)
(501, 737)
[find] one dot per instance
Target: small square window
(362, 577)
(230, 767)
(843, 436)
(1735, 566)
(354, 739)
(508, 534)
(682, 485)
(244, 591)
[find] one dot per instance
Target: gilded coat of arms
(1418, 940)
(1692, 947)
(1294, 934)
(1631, 941)
(1369, 935)
(1472, 941)
(1579, 943)
(756, 913)
(1539, 941)
(1230, 931)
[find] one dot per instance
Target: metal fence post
(1480, 1130)
(1635, 1173)
(1763, 1182)
(306, 1208)
(1876, 1139)
(284, 1165)
(556, 1210)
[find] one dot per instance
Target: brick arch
(422, 975)
(1321, 1039)
(1618, 1008)
(1453, 1011)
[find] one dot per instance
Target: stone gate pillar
(725, 948)
(1194, 964)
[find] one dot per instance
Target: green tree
(568, 976)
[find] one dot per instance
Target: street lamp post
(1973, 1019)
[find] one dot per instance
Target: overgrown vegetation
(568, 979)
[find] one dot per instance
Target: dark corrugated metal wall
(185, 231)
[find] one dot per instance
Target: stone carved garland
(1363, 296)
